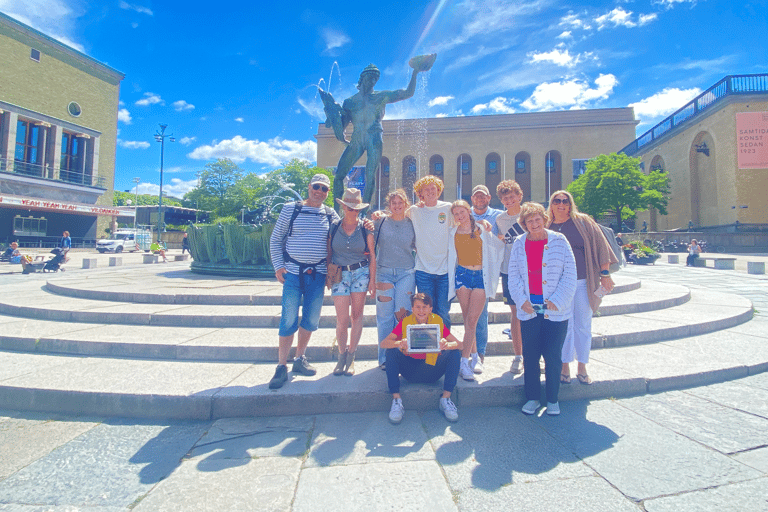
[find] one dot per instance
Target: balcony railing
(11, 166)
(728, 86)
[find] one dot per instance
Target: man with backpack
(298, 250)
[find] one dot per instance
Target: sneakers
(517, 365)
(397, 411)
(302, 366)
(553, 409)
(281, 375)
(449, 409)
(507, 332)
(531, 406)
(465, 371)
(476, 364)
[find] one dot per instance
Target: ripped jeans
(403, 283)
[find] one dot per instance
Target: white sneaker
(531, 406)
(449, 409)
(465, 371)
(517, 365)
(397, 411)
(476, 364)
(553, 409)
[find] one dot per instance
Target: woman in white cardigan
(474, 259)
(542, 277)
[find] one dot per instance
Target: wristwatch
(604, 273)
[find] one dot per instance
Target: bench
(89, 262)
(180, 257)
(115, 261)
(755, 267)
(150, 258)
(673, 258)
(723, 263)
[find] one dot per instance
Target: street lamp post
(136, 208)
(160, 137)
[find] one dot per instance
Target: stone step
(105, 386)
(42, 304)
(702, 312)
(162, 289)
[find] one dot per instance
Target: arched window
(523, 173)
(464, 176)
(553, 173)
(410, 174)
(493, 177)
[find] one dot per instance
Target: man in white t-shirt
(431, 224)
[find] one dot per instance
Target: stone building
(58, 130)
(715, 149)
(542, 151)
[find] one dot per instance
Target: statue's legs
(373, 160)
(348, 158)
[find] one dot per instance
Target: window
(439, 167)
(492, 167)
(520, 166)
(385, 170)
(74, 109)
(464, 166)
(34, 55)
(72, 157)
(579, 167)
(26, 152)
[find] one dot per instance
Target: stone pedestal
(89, 262)
(673, 258)
(755, 267)
(115, 261)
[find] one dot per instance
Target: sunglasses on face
(320, 187)
(557, 200)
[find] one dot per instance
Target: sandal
(339, 370)
(349, 367)
(584, 378)
(565, 378)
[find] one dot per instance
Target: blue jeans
(404, 284)
(481, 333)
(436, 286)
(542, 337)
(311, 300)
(418, 371)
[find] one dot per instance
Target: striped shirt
(307, 242)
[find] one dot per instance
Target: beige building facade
(699, 147)
(58, 132)
(542, 151)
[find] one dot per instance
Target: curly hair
(508, 187)
(401, 194)
(528, 210)
(428, 180)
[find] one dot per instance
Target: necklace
(560, 227)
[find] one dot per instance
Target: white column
(10, 148)
(56, 132)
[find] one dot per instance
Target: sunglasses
(320, 187)
(557, 200)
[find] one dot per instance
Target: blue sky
(238, 79)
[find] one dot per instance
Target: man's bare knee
(383, 298)
(384, 286)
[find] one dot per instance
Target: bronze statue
(365, 111)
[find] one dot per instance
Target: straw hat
(352, 199)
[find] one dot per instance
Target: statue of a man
(365, 111)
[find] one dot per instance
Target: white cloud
(124, 116)
(138, 8)
(334, 39)
(559, 56)
(664, 103)
(574, 21)
(273, 152)
(647, 18)
(565, 35)
(132, 144)
(186, 141)
(182, 105)
(671, 3)
(621, 18)
(573, 93)
(175, 188)
(239, 119)
(440, 100)
(498, 105)
(150, 98)
(52, 17)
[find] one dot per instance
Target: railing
(730, 85)
(48, 172)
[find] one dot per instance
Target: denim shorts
(470, 279)
(352, 281)
(310, 299)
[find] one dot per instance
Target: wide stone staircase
(166, 343)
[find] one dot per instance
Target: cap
(320, 178)
(481, 188)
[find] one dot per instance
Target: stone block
(699, 262)
(725, 263)
(180, 257)
(115, 261)
(673, 258)
(756, 267)
(150, 258)
(89, 262)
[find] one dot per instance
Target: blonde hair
(528, 210)
(428, 180)
(508, 187)
(573, 211)
(462, 203)
(398, 193)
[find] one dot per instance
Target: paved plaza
(702, 444)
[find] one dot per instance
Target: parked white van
(126, 239)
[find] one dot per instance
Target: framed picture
(423, 338)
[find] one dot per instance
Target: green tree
(615, 183)
(121, 199)
(216, 181)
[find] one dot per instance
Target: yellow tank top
(469, 250)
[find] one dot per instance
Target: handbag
(334, 271)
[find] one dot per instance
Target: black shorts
(505, 290)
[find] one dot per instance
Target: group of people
(553, 266)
